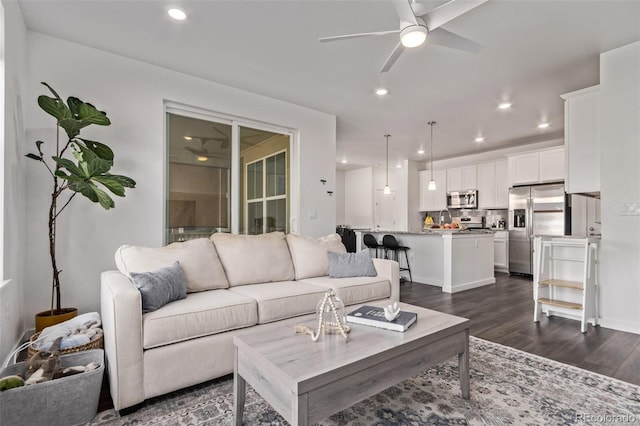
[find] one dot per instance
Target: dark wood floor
(503, 313)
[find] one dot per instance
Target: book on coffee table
(374, 316)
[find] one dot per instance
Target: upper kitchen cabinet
(536, 167)
(581, 138)
(461, 178)
(493, 187)
(437, 199)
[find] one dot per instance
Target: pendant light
(432, 183)
(387, 190)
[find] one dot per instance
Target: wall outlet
(630, 209)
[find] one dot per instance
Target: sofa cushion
(347, 265)
(354, 290)
(198, 259)
(251, 259)
(200, 314)
(284, 299)
(310, 255)
(159, 287)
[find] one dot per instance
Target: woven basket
(96, 343)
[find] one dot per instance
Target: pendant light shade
(432, 183)
(387, 190)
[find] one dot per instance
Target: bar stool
(390, 244)
(371, 242)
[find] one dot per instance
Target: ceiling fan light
(202, 158)
(413, 36)
(387, 190)
(381, 91)
(432, 185)
(177, 14)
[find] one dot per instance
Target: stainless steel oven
(462, 199)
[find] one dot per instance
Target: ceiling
(534, 51)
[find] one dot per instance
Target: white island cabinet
(455, 261)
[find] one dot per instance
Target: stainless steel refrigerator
(534, 210)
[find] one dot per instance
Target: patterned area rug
(508, 387)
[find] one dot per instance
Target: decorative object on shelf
(387, 190)
(330, 316)
(432, 183)
(391, 311)
(93, 161)
(376, 317)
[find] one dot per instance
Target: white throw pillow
(252, 259)
(310, 255)
(198, 259)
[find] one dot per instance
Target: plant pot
(48, 318)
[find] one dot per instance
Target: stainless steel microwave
(462, 199)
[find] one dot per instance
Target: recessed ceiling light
(421, 151)
(187, 138)
(381, 91)
(543, 125)
(479, 139)
(177, 14)
(504, 105)
(399, 166)
(203, 158)
(344, 161)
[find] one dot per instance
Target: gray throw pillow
(160, 286)
(345, 265)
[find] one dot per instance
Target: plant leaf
(34, 157)
(38, 145)
(125, 181)
(85, 189)
(86, 112)
(69, 165)
(111, 184)
(54, 107)
(72, 126)
(100, 149)
(103, 198)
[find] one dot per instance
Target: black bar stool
(371, 242)
(390, 244)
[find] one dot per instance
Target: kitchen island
(455, 260)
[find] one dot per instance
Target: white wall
(619, 180)
(132, 93)
(358, 195)
(13, 259)
(338, 193)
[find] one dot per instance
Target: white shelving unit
(565, 280)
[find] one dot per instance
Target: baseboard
(628, 326)
(470, 285)
(428, 281)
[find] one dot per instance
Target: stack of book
(374, 316)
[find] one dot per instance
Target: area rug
(508, 387)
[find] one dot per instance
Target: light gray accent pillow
(346, 265)
(160, 286)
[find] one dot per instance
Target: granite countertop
(432, 231)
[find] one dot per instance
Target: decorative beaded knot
(330, 299)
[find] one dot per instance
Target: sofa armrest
(121, 307)
(391, 271)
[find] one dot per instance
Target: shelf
(569, 259)
(563, 283)
(560, 303)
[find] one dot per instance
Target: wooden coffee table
(308, 381)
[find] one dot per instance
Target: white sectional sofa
(233, 282)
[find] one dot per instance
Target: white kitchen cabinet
(501, 251)
(461, 178)
(433, 200)
(493, 186)
(582, 140)
(552, 165)
(502, 184)
(536, 167)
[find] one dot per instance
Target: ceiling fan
(202, 152)
(417, 25)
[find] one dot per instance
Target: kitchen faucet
(442, 215)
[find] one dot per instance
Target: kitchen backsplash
(492, 217)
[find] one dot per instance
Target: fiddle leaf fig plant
(79, 166)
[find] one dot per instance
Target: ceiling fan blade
(448, 11)
(348, 36)
(446, 38)
(201, 152)
(405, 12)
(392, 58)
(220, 132)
